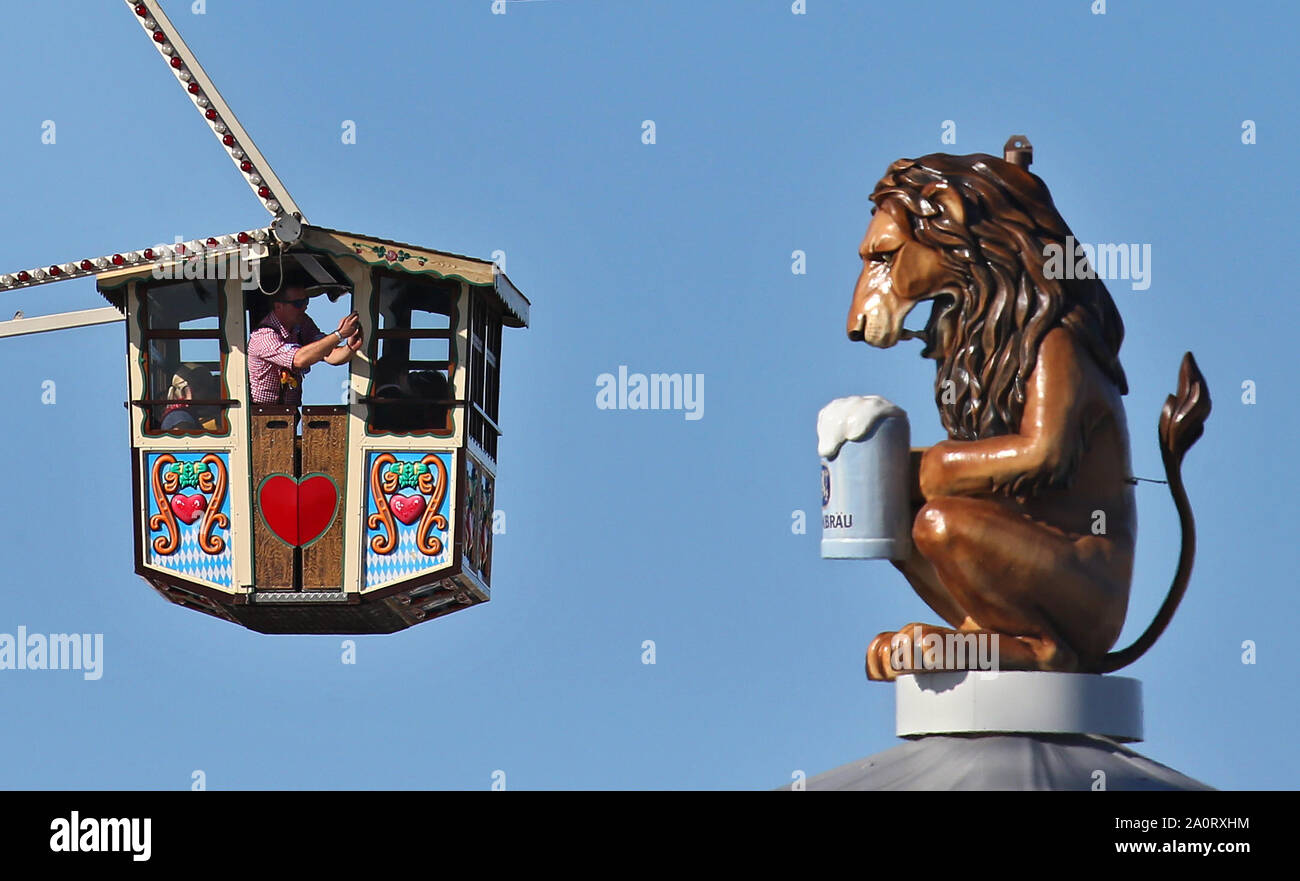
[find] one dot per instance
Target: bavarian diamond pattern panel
(408, 515)
(187, 522)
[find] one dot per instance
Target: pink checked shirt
(272, 378)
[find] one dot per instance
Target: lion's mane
(1006, 306)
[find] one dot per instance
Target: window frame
(378, 334)
(484, 397)
(151, 427)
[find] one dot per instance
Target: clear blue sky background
(523, 132)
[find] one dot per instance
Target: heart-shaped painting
(407, 508)
(189, 506)
(298, 511)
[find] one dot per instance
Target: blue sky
(522, 132)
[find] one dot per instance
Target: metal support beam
(250, 243)
(61, 321)
(213, 108)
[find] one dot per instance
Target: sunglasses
(301, 302)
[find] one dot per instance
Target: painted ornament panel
(478, 520)
(408, 531)
(188, 526)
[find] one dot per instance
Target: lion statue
(1025, 520)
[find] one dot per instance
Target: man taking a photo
(287, 342)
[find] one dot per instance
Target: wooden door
(274, 451)
(325, 451)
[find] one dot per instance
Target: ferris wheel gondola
(365, 517)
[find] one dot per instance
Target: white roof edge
(510, 295)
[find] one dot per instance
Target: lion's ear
(945, 196)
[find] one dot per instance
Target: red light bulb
(243, 238)
(54, 270)
(246, 166)
(118, 259)
(228, 140)
(159, 37)
(87, 265)
(264, 192)
(24, 276)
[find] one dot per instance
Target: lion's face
(897, 273)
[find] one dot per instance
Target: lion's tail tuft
(1182, 422)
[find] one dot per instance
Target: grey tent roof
(1004, 761)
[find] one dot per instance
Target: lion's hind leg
(1019, 577)
(920, 573)
(912, 650)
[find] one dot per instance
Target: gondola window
(184, 359)
(413, 375)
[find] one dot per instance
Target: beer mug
(864, 444)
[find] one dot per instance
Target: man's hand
(348, 326)
(342, 354)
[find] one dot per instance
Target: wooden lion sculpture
(1029, 385)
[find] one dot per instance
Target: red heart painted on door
(407, 508)
(298, 511)
(189, 507)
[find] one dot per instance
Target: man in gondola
(287, 342)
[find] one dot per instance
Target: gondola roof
(388, 253)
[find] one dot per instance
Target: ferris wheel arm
(257, 172)
(248, 244)
(20, 325)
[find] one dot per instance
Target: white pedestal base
(1018, 702)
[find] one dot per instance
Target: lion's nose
(857, 323)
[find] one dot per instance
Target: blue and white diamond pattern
(190, 560)
(404, 562)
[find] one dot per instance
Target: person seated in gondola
(431, 387)
(287, 342)
(191, 382)
(411, 400)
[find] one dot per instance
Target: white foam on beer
(850, 419)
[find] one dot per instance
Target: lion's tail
(1181, 423)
